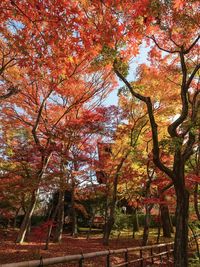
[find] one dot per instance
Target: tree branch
(34, 130)
(161, 48)
(172, 129)
(192, 45)
(11, 91)
(147, 101)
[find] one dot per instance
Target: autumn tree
(181, 53)
(114, 156)
(57, 56)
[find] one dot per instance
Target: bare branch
(192, 75)
(34, 130)
(11, 91)
(192, 45)
(172, 129)
(161, 48)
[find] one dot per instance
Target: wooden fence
(137, 256)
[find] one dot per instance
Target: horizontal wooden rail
(79, 258)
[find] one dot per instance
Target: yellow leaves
(140, 20)
(70, 59)
(85, 3)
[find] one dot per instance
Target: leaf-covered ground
(34, 249)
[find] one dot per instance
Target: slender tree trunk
(51, 225)
(73, 212)
(28, 230)
(135, 222)
(74, 223)
(111, 219)
(171, 224)
(146, 224)
(166, 222)
(108, 228)
(48, 236)
(27, 218)
(181, 235)
(91, 223)
(158, 235)
(15, 219)
(159, 226)
(60, 222)
(8, 223)
(196, 204)
(110, 213)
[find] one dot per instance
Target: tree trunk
(27, 218)
(28, 230)
(74, 223)
(159, 226)
(91, 223)
(73, 213)
(158, 235)
(110, 220)
(50, 226)
(60, 221)
(135, 222)
(166, 222)
(107, 229)
(15, 219)
(181, 235)
(196, 204)
(146, 224)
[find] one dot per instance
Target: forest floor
(34, 247)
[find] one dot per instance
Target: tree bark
(73, 212)
(27, 218)
(91, 223)
(111, 218)
(108, 228)
(146, 224)
(52, 218)
(158, 235)
(166, 221)
(74, 223)
(135, 222)
(15, 219)
(60, 221)
(196, 203)
(183, 150)
(181, 235)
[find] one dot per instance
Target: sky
(112, 99)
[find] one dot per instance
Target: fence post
(152, 259)
(160, 255)
(41, 262)
(189, 242)
(126, 258)
(141, 257)
(167, 253)
(81, 263)
(81, 260)
(108, 259)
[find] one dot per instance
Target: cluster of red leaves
(40, 231)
